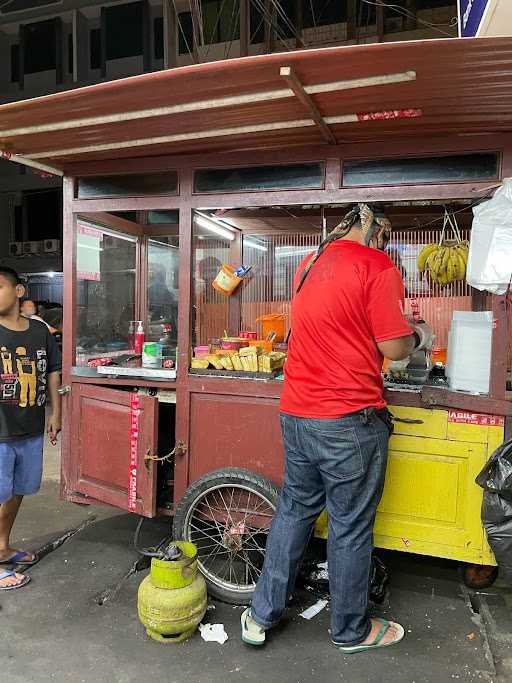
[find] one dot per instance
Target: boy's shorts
(21, 466)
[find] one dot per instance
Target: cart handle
(408, 420)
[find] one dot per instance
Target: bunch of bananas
(445, 262)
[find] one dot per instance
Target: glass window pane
(163, 274)
(296, 176)
(460, 168)
(133, 185)
(105, 265)
(35, 35)
(124, 25)
(167, 217)
(210, 313)
(274, 260)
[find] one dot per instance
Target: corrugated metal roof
(459, 86)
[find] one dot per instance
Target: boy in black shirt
(29, 371)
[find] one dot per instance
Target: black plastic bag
(496, 476)
(497, 520)
(318, 578)
(496, 480)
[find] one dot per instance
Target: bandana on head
(374, 224)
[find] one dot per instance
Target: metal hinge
(63, 390)
(179, 449)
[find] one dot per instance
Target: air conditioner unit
(31, 248)
(15, 249)
(51, 246)
(394, 24)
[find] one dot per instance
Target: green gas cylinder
(172, 599)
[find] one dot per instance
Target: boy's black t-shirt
(26, 358)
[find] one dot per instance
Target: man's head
(11, 291)
(28, 307)
(367, 224)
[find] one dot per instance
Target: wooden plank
(291, 78)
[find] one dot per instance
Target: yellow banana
(423, 256)
(451, 267)
(461, 265)
(433, 263)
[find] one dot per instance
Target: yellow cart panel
(431, 504)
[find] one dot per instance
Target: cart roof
(451, 86)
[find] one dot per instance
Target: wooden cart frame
(95, 448)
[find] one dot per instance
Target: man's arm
(398, 349)
(54, 421)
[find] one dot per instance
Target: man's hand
(53, 428)
(54, 421)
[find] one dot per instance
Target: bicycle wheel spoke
(229, 525)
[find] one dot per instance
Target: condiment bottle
(139, 337)
(131, 334)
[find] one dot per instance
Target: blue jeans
(339, 465)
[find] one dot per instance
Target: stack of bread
(246, 359)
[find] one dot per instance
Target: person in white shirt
(28, 310)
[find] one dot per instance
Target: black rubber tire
(231, 476)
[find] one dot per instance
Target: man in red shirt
(347, 314)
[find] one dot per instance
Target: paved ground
(77, 620)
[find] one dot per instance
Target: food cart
(171, 175)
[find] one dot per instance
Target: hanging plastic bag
(490, 251)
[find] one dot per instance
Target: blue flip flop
(6, 575)
(17, 558)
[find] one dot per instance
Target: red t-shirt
(351, 299)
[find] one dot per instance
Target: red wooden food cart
(167, 177)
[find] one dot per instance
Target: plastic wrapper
(496, 480)
(490, 252)
(317, 577)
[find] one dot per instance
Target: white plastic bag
(490, 250)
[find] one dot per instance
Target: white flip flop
(252, 633)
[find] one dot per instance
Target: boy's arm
(54, 421)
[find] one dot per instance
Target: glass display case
(126, 294)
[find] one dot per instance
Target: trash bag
(496, 480)
(490, 249)
(497, 520)
(496, 476)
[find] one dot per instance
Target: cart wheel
(227, 514)
(478, 576)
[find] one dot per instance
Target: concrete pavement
(77, 620)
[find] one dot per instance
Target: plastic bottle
(131, 335)
(139, 337)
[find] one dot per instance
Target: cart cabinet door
(111, 437)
